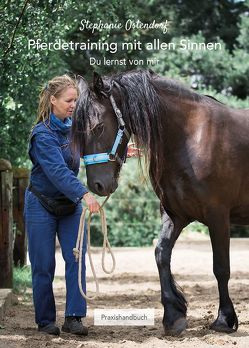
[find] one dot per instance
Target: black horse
(198, 155)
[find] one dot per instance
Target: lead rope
(79, 246)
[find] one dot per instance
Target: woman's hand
(133, 151)
(91, 202)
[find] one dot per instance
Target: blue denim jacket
(54, 169)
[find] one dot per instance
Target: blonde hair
(54, 87)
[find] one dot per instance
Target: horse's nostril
(98, 187)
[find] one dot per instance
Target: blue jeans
(41, 228)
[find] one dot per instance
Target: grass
(21, 279)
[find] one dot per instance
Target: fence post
(20, 181)
(6, 224)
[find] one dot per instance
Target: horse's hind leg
(174, 320)
(218, 223)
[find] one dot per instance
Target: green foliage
(242, 39)
(238, 77)
(22, 279)
(23, 71)
(212, 18)
(197, 227)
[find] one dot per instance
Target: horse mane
(85, 117)
(141, 105)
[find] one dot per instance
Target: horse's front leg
(219, 225)
(174, 320)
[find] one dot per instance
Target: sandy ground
(135, 284)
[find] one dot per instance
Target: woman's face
(63, 105)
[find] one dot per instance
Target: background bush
(21, 279)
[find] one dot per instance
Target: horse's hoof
(177, 329)
(222, 327)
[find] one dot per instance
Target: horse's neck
(179, 114)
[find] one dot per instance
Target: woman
(53, 185)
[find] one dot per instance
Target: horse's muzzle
(102, 188)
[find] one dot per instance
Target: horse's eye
(98, 130)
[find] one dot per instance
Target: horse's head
(101, 133)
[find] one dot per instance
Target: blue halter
(113, 154)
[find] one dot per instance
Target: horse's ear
(82, 84)
(98, 84)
